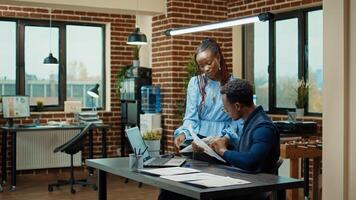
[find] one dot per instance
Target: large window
(7, 58)
(84, 58)
(285, 49)
(79, 48)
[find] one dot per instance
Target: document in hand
(169, 171)
(203, 145)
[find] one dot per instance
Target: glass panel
(7, 58)
(286, 62)
(315, 60)
(39, 42)
(85, 63)
(261, 60)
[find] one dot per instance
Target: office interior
(89, 39)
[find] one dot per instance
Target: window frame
(62, 67)
(302, 16)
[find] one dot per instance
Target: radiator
(34, 150)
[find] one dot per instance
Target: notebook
(137, 142)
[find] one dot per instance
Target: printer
(296, 127)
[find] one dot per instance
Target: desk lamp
(94, 93)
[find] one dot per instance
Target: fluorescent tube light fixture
(221, 24)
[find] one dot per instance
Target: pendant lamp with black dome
(50, 59)
(137, 37)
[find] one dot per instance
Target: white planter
(300, 112)
(154, 147)
(136, 63)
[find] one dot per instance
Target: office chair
(72, 147)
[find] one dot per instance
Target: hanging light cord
(136, 19)
(50, 30)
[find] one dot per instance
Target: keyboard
(27, 125)
(159, 161)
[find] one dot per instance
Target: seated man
(256, 149)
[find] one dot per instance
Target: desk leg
(102, 185)
(294, 173)
(316, 170)
(306, 178)
(3, 156)
(281, 194)
(90, 151)
(103, 143)
(13, 163)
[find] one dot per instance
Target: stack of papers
(169, 171)
(89, 117)
(206, 179)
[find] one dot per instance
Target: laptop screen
(136, 141)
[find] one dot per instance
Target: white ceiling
(139, 7)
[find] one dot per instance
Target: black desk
(259, 182)
(13, 130)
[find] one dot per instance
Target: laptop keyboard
(159, 161)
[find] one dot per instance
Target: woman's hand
(197, 148)
(178, 141)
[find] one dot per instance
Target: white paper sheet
(190, 177)
(219, 182)
(203, 145)
(169, 171)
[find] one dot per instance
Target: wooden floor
(34, 187)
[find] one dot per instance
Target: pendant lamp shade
(137, 38)
(50, 59)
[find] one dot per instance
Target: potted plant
(120, 78)
(153, 141)
(302, 97)
(39, 105)
(136, 56)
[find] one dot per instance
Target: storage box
(150, 122)
(73, 106)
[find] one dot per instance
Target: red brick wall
(121, 55)
(170, 54)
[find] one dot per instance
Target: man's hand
(178, 141)
(219, 145)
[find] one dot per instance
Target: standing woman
(204, 108)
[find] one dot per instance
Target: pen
(145, 150)
(139, 151)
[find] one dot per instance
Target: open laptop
(137, 142)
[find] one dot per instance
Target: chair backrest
(277, 165)
(75, 144)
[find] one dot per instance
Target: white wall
(352, 99)
(339, 151)
(145, 24)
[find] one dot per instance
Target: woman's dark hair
(210, 44)
(238, 90)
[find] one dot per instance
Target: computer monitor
(15, 107)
